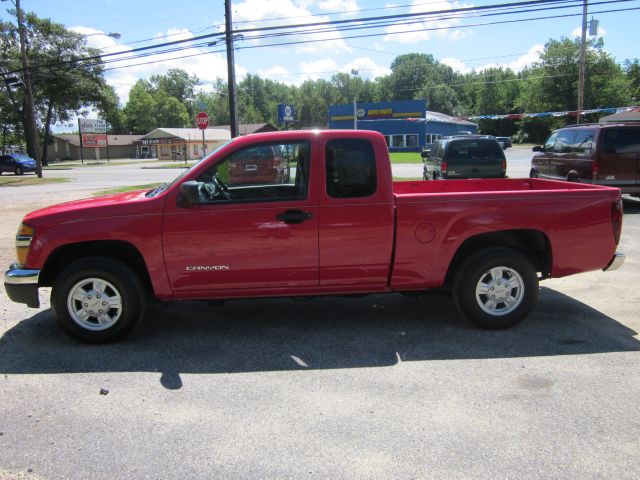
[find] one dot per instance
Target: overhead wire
(136, 52)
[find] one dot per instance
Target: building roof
(188, 134)
(248, 128)
(632, 116)
(114, 140)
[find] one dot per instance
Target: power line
(100, 58)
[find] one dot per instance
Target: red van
(604, 154)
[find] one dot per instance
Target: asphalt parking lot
(372, 387)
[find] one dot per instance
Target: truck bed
(489, 185)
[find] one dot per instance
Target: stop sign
(202, 120)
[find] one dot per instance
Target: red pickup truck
(336, 224)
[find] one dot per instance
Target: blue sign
(286, 113)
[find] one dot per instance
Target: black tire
(101, 282)
(514, 285)
(19, 171)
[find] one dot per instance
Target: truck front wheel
(496, 288)
(98, 299)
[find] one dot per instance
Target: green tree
(64, 80)
(178, 84)
(551, 84)
(140, 110)
(632, 70)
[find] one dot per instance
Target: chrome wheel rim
(499, 291)
(94, 304)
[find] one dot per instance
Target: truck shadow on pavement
(325, 333)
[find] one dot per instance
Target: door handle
(294, 216)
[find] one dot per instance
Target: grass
(23, 180)
(172, 165)
(132, 188)
(405, 157)
(69, 164)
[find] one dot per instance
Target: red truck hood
(116, 205)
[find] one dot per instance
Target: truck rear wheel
(496, 288)
(98, 299)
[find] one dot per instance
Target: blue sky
(459, 42)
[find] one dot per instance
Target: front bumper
(21, 285)
(615, 263)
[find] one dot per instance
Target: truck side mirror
(425, 153)
(189, 194)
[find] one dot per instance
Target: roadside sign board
(286, 113)
(94, 140)
(92, 125)
(202, 120)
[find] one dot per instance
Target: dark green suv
(465, 156)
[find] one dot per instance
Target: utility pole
(231, 71)
(583, 51)
(31, 129)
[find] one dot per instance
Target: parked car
(604, 154)
(260, 164)
(467, 156)
(505, 142)
(17, 163)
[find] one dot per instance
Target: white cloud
(317, 69)
(366, 68)
(122, 74)
(457, 64)
(257, 13)
(334, 6)
(423, 31)
(533, 55)
(276, 70)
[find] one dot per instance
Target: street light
(355, 73)
(115, 35)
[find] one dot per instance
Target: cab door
(254, 236)
(356, 215)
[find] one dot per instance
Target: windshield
(23, 158)
(158, 190)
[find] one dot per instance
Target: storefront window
(412, 140)
(398, 140)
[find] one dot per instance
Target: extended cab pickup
(336, 224)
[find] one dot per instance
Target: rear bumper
(21, 285)
(615, 263)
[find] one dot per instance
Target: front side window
(273, 171)
(551, 141)
(350, 168)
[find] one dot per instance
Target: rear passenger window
(564, 141)
(583, 141)
(622, 140)
(350, 168)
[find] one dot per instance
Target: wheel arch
(120, 250)
(534, 244)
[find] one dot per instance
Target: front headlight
(23, 242)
